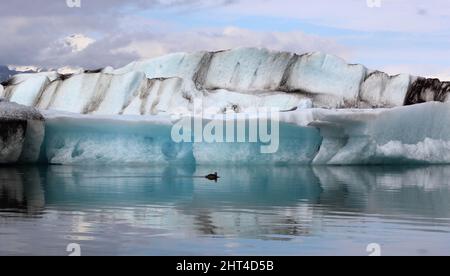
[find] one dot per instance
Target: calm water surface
(250, 211)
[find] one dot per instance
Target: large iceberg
(403, 135)
(330, 112)
(234, 79)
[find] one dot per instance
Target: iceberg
(402, 135)
(330, 112)
(257, 75)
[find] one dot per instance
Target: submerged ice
(331, 112)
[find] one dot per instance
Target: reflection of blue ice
(277, 206)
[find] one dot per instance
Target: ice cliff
(21, 133)
(332, 112)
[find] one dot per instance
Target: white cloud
(232, 37)
(78, 42)
(127, 30)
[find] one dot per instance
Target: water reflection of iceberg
(248, 201)
(21, 190)
(416, 191)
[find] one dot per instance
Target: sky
(396, 36)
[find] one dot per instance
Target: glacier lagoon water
(252, 210)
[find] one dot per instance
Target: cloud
(402, 32)
(77, 42)
(40, 40)
(37, 8)
(392, 16)
(32, 30)
(98, 54)
(231, 37)
(121, 48)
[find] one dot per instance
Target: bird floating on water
(213, 177)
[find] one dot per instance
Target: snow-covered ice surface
(332, 112)
(230, 78)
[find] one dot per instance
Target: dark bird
(212, 177)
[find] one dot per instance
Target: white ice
(165, 84)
